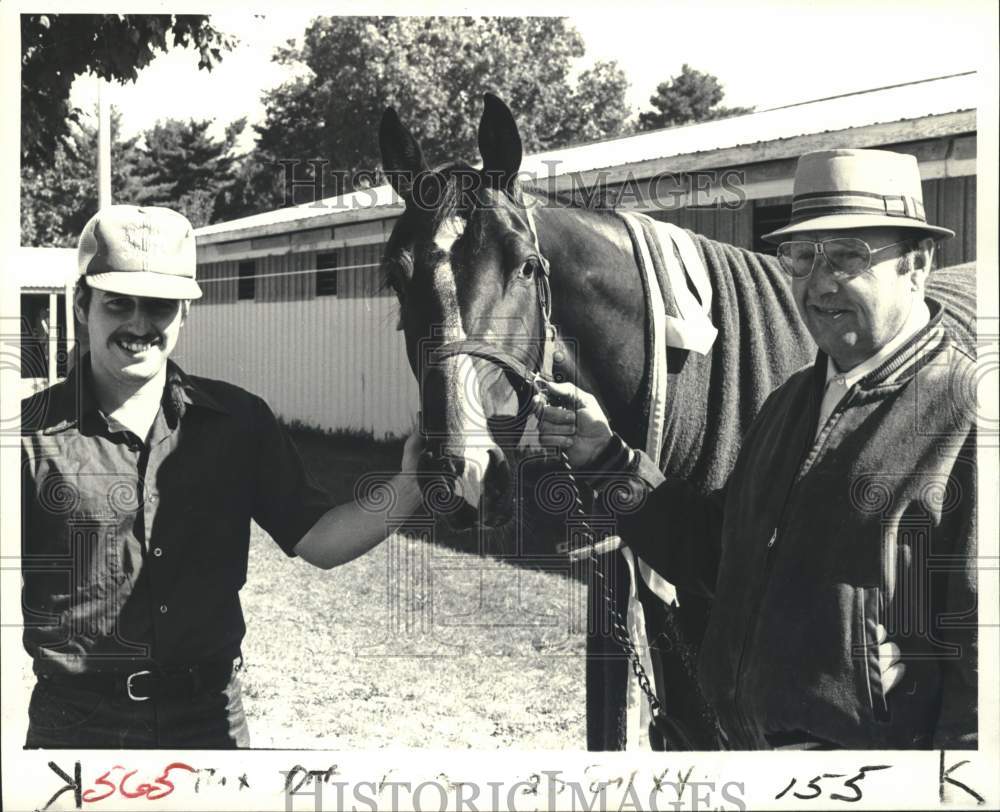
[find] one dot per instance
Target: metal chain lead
(577, 512)
(579, 516)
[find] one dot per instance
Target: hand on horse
(412, 450)
(572, 421)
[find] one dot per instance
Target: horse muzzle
(467, 489)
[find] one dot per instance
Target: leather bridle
(526, 380)
(525, 377)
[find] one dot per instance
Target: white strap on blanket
(692, 330)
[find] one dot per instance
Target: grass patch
(415, 644)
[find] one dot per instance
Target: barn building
(47, 326)
(293, 306)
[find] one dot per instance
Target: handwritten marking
(73, 784)
(944, 776)
(814, 784)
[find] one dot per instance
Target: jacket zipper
(748, 728)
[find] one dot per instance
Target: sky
(766, 54)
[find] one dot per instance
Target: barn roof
(727, 141)
(46, 269)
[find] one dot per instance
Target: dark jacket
(815, 543)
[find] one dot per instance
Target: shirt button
(157, 551)
(163, 609)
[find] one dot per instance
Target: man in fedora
(840, 555)
(139, 485)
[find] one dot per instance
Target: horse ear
(499, 143)
(402, 159)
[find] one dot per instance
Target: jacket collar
(903, 363)
(73, 403)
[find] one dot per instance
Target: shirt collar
(74, 404)
(191, 393)
(915, 322)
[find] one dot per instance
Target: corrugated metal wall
(332, 361)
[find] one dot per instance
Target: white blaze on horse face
(467, 418)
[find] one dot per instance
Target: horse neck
(597, 304)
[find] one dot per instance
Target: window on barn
(326, 273)
(767, 218)
(246, 286)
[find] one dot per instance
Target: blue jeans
(62, 715)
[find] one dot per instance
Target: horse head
(465, 264)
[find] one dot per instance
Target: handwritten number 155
(816, 791)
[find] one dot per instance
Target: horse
(495, 279)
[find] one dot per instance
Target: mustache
(147, 338)
(828, 303)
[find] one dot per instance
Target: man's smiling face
(851, 319)
(131, 337)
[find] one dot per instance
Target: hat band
(823, 204)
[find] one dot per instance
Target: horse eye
(528, 269)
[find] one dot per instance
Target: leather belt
(152, 683)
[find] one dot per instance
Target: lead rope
(578, 514)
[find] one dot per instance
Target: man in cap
(840, 555)
(139, 485)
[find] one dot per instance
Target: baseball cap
(139, 251)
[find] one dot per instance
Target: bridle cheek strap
(550, 335)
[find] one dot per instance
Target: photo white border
(914, 779)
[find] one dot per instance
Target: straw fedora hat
(857, 188)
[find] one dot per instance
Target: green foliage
(175, 164)
(56, 48)
(180, 166)
(690, 96)
(60, 195)
(433, 70)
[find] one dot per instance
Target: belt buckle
(128, 686)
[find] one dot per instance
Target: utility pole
(103, 145)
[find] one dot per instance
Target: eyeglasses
(846, 256)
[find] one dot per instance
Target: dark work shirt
(133, 553)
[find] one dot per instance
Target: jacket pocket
(871, 619)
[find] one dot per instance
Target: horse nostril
(497, 474)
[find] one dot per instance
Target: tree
(56, 48)
(180, 166)
(60, 195)
(690, 96)
(175, 164)
(433, 70)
